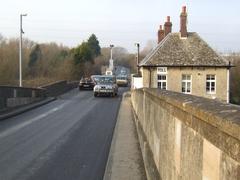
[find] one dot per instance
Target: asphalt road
(68, 139)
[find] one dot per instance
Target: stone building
(183, 62)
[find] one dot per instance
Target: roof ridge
(154, 50)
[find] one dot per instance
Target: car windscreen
(86, 80)
(106, 80)
(95, 78)
(122, 78)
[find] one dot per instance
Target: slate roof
(175, 51)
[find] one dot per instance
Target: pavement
(125, 159)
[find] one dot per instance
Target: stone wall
(145, 72)
(58, 88)
(16, 96)
(184, 137)
(174, 80)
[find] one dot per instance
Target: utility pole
(20, 50)
(138, 47)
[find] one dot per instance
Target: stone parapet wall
(11, 96)
(59, 87)
(184, 137)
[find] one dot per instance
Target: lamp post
(20, 50)
(138, 47)
(111, 47)
(111, 66)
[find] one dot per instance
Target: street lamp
(138, 47)
(111, 47)
(111, 66)
(20, 50)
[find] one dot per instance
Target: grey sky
(120, 22)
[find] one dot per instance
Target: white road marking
(30, 121)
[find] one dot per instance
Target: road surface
(68, 139)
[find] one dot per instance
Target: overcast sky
(120, 22)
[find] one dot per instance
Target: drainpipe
(150, 77)
(228, 83)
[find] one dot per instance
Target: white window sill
(186, 92)
(211, 93)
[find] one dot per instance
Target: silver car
(106, 85)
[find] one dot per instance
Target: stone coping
(223, 116)
(17, 87)
(53, 83)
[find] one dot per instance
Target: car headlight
(96, 87)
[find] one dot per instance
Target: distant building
(183, 62)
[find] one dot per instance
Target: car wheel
(95, 94)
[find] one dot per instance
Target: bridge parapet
(187, 137)
(11, 96)
(59, 87)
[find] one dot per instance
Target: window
(186, 83)
(162, 78)
(162, 70)
(211, 84)
(162, 81)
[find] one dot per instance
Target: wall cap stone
(17, 87)
(223, 116)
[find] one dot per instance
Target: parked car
(106, 85)
(86, 83)
(122, 80)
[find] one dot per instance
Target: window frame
(210, 84)
(161, 81)
(162, 71)
(186, 81)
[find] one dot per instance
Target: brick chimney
(160, 34)
(183, 22)
(167, 26)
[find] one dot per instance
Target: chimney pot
(168, 18)
(184, 9)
